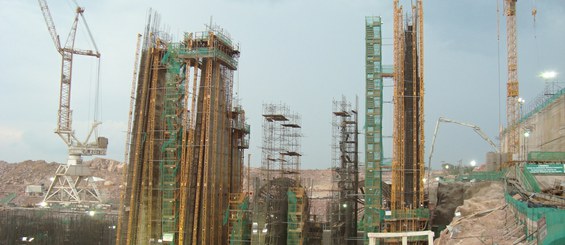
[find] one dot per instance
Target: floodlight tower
(73, 182)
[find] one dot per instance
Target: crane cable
(499, 79)
(534, 14)
(97, 117)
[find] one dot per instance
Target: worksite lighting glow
(548, 74)
(521, 101)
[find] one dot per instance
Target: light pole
(111, 229)
(526, 135)
(550, 84)
(521, 102)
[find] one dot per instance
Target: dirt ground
(483, 217)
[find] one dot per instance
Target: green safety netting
(546, 156)
(293, 235)
(241, 232)
(373, 215)
(408, 214)
(529, 180)
(554, 219)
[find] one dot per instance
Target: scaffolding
(281, 142)
(373, 126)
(297, 210)
(239, 224)
(187, 141)
(171, 147)
(345, 177)
(280, 170)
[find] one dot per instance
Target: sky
(303, 53)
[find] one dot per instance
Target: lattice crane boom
(512, 86)
(73, 182)
(50, 24)
(64, 119)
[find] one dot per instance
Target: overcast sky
(300, 52)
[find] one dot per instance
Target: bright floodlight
(473, 163)
(521, 101)
(548, 74)
(437, 178)
(527, 134)
(345, 205)
(91, 213)
(446, 166)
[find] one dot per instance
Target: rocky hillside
(14, 177)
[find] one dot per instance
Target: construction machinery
(476, 128)
(73, 182)
(512, 142)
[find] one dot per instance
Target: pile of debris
(484, 218)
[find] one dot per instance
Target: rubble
(484, 218)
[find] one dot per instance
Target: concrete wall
(547, 128)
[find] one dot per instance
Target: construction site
(200, 164)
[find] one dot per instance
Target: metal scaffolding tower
(281, 203)
(373, 125)
(345, 165)
(187, 141)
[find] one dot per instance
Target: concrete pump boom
(476, 128)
